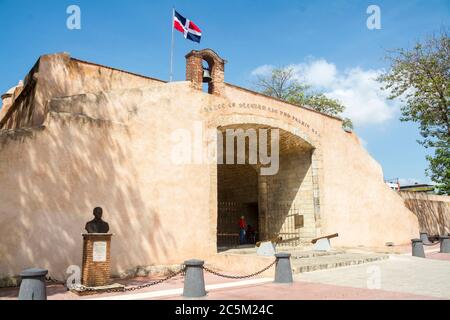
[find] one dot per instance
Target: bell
(206, 76)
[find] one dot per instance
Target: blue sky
(326, 39)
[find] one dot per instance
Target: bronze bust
(97, 225)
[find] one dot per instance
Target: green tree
(281, 84)
(420, 79)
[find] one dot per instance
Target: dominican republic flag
(187, 27)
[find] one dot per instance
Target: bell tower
(205, 66)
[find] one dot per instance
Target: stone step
(312, 254)
(331, 261)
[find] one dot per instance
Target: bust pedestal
(96, 269)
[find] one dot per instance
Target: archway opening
(277, 204)
(237, 196)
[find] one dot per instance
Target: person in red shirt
(242, 226)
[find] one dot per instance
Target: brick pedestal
(96, 259)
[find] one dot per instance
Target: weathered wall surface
(432, 211)
(237, 183)
(290, 192)
(18, 112)
(8, 97)
(59, 75)
(357, 203)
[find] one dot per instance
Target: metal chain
(431, 244)
(47, 279)
(52, 280)
(238, 277)
(146, 285)
(183, 269)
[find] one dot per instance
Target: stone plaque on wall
(99, 251)
(298, 221)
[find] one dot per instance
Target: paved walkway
(305, 291)
(400, 277)
(401, 274)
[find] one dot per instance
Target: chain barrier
(182, 270)
(83, 288)
(52, 280)
(239, 277)
(48, 279)
(15, 285)
(431, 243)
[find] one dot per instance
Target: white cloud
(356, 88)
(365, 102)
(318, 73)
(263, 70)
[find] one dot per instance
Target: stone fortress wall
(432, 211)
(81, 135)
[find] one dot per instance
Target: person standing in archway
(242, 226)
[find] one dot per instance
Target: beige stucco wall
(52, 178)
(112, 148)
(432, 211)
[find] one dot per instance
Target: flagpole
(172, 45)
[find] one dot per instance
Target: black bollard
(283, 270)
(445, 244)
(32, 286)
(194, 281)
(417, 248)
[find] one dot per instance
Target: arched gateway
(77, 135)
(279, 194)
